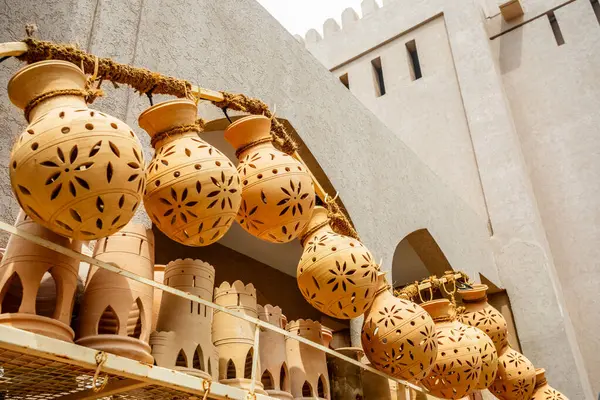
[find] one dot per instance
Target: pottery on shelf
(278, 195)
(25, 268)
(182, 340)
(234, 337)
(336, 273)
(480, 314)
(116, 314)
(274, 372)
(76, 171)
(456, 371)
(515, 379)
(308, 365)
(327, 335)
(398, 336)
(489, 356)
(543, 391)
(193, 191)
(159, 276)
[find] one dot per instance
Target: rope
(198, 126)
(445, 318)
(48, 95)
(206, 387)
(312, 230)
(101, 358)
(251, 145)
(338, 220)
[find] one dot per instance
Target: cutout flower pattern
(247, 164)
(429, 341)
(225, 186)
(65, 171)
(293, 198)
(342, 275)
(313, 245)
(178, 206)
(246, 218)
(393, 360)
(390, 316)
(160, 158)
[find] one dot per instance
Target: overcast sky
(298, 16)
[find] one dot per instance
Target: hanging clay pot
(543, 391)
(234, 337)
(278, 194)
(25, 266)
(274, 372)
(398, 336)
(193, 191)
(489, 356)
(456, 371)
(116, 314)
(480, 314)
(515, 379)
(336, 273)
(182, 340)
(76, 171)
(308, 365)
(159, 276)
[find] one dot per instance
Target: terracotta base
(120, 345)
(278, 394)
(38, 324)
(194, 372)
(244, 384)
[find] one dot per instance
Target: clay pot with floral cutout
(76, 171)
(515, 379)
(543, 391)
(278, 195)
(480, 314)
(308, 365)
(457, 368)
(489, 356)
(193, 191)
(234, 337)
(116, 314)
(274, 372)
(398, 336)
(336, 273)
(27, 272)
(183, 339)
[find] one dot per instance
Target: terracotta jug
(159, 276)
(308, 365)
(234, 337)
(398, 336)
(182, 340)
(543, 391)
(489, 356)
(193, 191)
(24, 267)
(336, 273)
(480, 314)
(277, 191)
(274, 372)
(515, 379)
(116, 314)
(456, 371)
(76, 171)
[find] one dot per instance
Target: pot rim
(146, 114)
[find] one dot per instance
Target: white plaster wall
(554, 94)
(427, 114)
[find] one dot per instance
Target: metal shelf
(36, 367)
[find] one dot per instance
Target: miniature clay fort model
(234, 337)
(76, 171)
(336, 273)
(308, 365)
(275, 375)
(456, 371)
(543, 391)
(398, 336)
(116, 314)
(193, 191)
(159, 276)
(182, 340)
(24, 266)
(515, 378)
(278, 193)
(346, 379)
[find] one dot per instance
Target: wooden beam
(11, 49)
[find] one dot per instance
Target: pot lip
(244, 119)
(161, 105)
(477, 289)
(42, 64)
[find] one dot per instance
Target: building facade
(505, 113)
(477, 157)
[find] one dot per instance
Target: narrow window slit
(378, 77)
(413, 60)
(560, 40)
(345, 81)
(596, 8)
